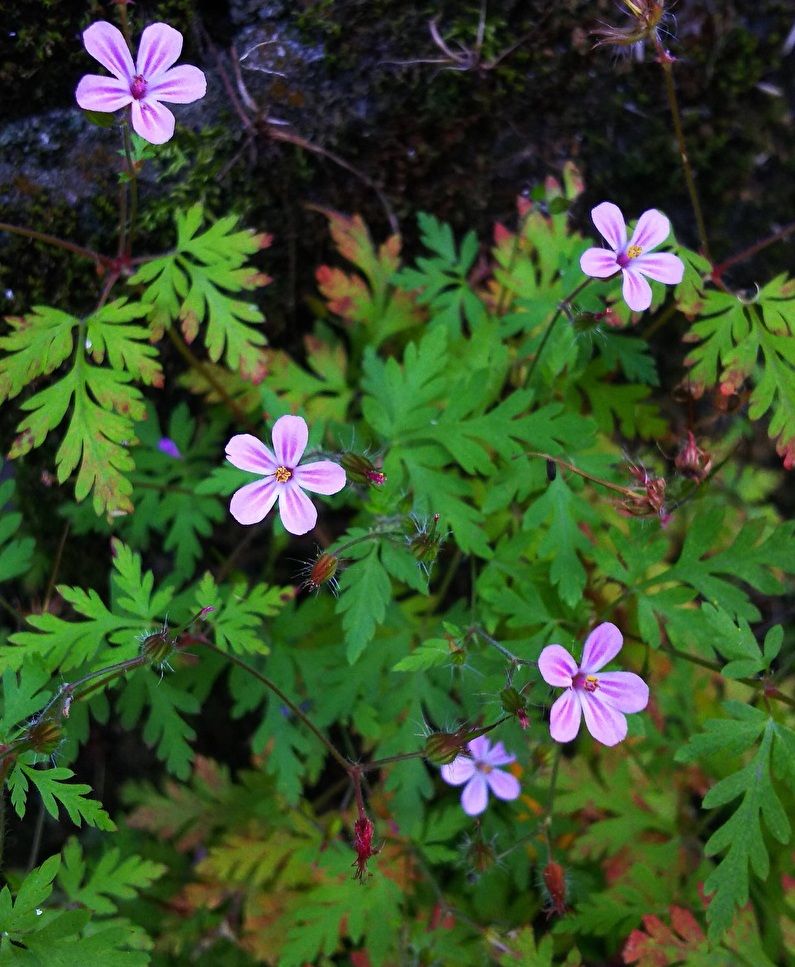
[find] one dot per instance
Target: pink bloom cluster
(142, 85)
(283, 479)
(634, 259)
(603, 699)
(480, 773)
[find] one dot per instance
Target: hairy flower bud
(479, 854)
(513, 702)
(363, 844)
(426, 542)
(693, 462)
(555, 886)
(359, 469)
(442, 747)
(321, 571)
(157, 647)
(43, 735)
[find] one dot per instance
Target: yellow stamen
(282, 474)
(634, 251)
(591, 683)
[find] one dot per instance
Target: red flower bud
(363, 844)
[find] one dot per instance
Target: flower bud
(157, 647)
(43, 735)
(480, 855)
(426, 543)
(442, 747)
(513, 703)
(321, 572)
(554, 878)
(693, 462)
(359, 469)
(363, 844)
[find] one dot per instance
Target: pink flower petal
(246, 452)
(459, 771)
(498, 756)
(251, 503)
(564, 717)
(636, 291)
(180, 85)
(608, 219)
(475, 796)
(601, 646)
(599, 263)
(557, 667)
(321, 477)
(661, 266)
(296, 510)
(479, 748)
(106, 44)
(503, 784)
(159, 48)
(625, 691)
(290, 434)
(605, 723)
(106, 94)
(153, 122)
(652, 230)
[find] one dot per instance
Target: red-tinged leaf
(347, 295)
(659, 945)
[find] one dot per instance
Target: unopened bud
(480, 855)
(157, 647)
(321, 572)
(359, 469)
(442, 747)
(554, 877)
(363, 844)
(44, 736)
(426, 543)
(693, 462)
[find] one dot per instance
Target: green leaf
(237, 623)
(111, 879)
(197, 285)
(365, 590)
(19, 915)
(429, 654)
(732, 334)
(54, 788)
(15, 552)
(101, 402)
(740, 836)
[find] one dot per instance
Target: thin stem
(133, 183)
(505, 652)
(754, 249)
(673, 103)
(195, 363)
(553, 782)
(35, 846)
(387, 760)
(371, 535)
(562, 306)
(268, 683)
(55, 568)
(499, 308)
(85, 253)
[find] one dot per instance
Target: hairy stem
(53, 240)
(666, 64)
(563, 305)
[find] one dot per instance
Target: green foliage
(741, 835)
(192, 286)
(15, 553)
(101, 402)
(732, 333)
(54, 788)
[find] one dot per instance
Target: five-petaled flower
(142, 85)
(602, 699)
(480, 773)
(283, 479)
(633, 259)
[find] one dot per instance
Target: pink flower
(143, 86)
(602, 699)
(478, 770)
(634, 259)
(283, 479)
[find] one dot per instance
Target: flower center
(591, 683)
(138, 87)
(484, 767)
(282, 474)
(634, 251)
